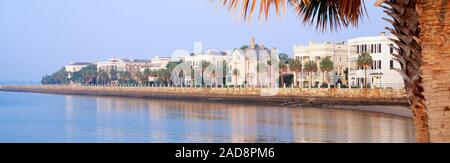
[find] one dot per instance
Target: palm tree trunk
(328, 78)
(295, 79)
(282, 79)
(421, 60)
(365, 76)
(434, 18)
(323, 77)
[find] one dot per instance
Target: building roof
(118, 60)
(141, 60)
(80, 63)
(381, 37)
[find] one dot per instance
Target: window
(357, 49)
(379, 64)
(379, 48)
(392, 64)
(391, 49)
(371, 48)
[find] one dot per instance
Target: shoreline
(368, 104)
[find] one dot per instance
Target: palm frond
(323, 14)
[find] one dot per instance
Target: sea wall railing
(222, 90)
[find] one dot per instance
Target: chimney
(274, 50)
(382, 33)
(252, 43)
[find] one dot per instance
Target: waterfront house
(213, 57)
(243, 65)
(75, 67)
(382, 73)
(113, 64)
(136, 67)
(316, 52)
(158, 63)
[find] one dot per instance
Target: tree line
(91, 75)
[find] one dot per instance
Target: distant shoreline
(370, 104)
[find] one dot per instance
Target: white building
(313, 51)
(136, 67)
(113, 64)
(75, 67)
(382, 73)
(158, 63)
(243, 66)
(216, 58)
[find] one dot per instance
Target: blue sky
(37, 37)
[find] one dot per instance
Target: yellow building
(318, 51)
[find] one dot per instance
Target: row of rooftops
(252, 46)
(123, 60)
(381, 37)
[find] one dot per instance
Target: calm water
(28, 117)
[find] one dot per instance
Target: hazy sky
(37, 37)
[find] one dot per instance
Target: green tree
(168, 72)
(59, 77)
(205, 65)
(114, 75)
(171, 65)
(86, 75)
(284, 58)
(310, 68)
(89, 74)
(364, 61)
(295, 65)
(244, 47)
(164, 76)
(103, 77)
(125, 78)
(140, 78)
(283, 68)
(326, 66)
(147, 73)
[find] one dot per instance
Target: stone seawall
(388, 101)
(284, 97)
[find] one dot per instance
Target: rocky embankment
(374, 100)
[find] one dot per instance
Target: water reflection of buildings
(317, 125)
(69, 127)
(243, 124)
(242, 119)
(185, 121)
